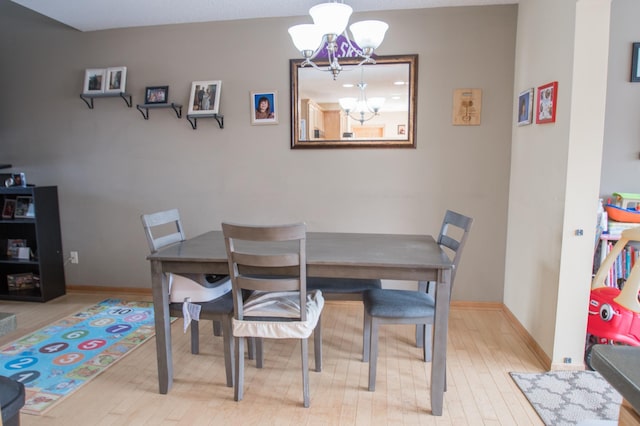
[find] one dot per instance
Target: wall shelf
(88, 98)
(144, 109)
(193, 119)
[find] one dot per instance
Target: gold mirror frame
(397, 132)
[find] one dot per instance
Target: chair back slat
(267, 260)
(272, 284)
(166, 223)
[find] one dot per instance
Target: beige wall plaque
(467, 105)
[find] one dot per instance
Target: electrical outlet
(567, 360)
(73, 256)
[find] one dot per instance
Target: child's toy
(614, 314)
(622, 211)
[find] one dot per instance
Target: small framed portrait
(19, 179)
(24, 208)
(116, 79)
(9, 208)
(402, 129)
(525, 110)
(635, 69)
(547, 102)
(205, 97)
(156, 95)
(264, 107)
(94, 80)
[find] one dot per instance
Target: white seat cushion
(279, 304)
(182, 287)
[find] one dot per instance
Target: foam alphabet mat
(57, 360)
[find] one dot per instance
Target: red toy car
(614, 314)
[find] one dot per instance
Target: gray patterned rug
(569, 397)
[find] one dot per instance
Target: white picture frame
(264, 99)
(525, 107)
(94, 81)
(115, 80)
(204, 97)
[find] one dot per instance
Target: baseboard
(85, 289)
(529, 340)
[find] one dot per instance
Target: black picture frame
(156, 95)
(635, 72)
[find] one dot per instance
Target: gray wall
(111, 165)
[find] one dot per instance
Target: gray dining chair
(165, 228)
(346, 289)
(272, 305)
(386, 306)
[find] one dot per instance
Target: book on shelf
(24, 281)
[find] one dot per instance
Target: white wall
(554, 176)
(111, 165)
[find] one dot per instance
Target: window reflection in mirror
(369, 106)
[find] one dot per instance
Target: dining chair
(267, 265)
(346, 289)
(211, 293)
(386, 306)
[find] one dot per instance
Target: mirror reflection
(368, 106)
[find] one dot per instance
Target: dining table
(406, 257)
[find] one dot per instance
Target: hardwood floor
(483, 349)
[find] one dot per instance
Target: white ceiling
(92, 15)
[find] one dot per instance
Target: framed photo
(24, 208)
(547, 101)
(205, 97)
(156, 95)
(635, 71)
(402, 129)
(116, 79)
(9, 208)
(467, 107)
(94, 80)
(264, 107)
(525, 107)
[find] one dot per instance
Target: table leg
(160, 292)
(440, 325)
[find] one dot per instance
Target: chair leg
(217, 328)
(317, 345)
(238, 384)
(229, 353)
(195, 337)
(373, 354)
(251, 347)
(304, 344)
(259, 352)
(366, 337)
(424, 287)
(428, 342)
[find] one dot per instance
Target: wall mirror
(371, 106)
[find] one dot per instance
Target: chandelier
(329, 30)
(361, 109)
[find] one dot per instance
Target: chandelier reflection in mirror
(361, 109)
(329, 22)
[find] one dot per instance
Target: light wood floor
(483, 349)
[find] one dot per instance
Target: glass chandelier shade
(329, 22)
(361, 108)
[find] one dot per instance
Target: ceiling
(92, 15)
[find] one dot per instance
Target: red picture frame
(547, 103)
